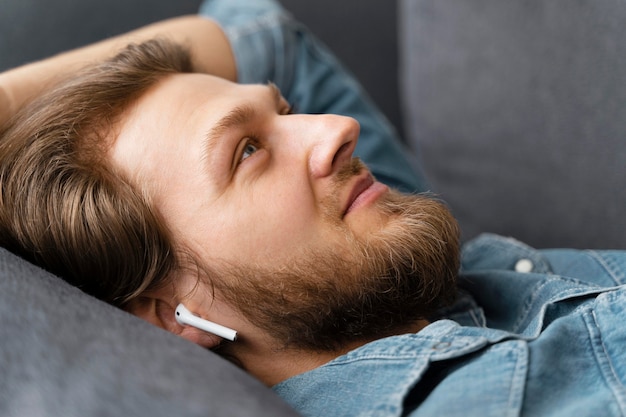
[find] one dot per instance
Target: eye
(249, 148)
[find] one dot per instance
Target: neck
(271, 364)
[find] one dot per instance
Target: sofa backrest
(518, 109)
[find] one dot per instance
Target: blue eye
(248, 150)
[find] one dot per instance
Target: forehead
(175, 112)
(163, 126)
(179, 91)
(189, 89)
(190, 98)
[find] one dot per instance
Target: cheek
(263, 226)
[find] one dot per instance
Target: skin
(255, 197)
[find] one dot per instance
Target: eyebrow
(238, 116)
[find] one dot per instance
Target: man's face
(239, 179)
(275, 198)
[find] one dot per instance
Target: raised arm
(210, 51)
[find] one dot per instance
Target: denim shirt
(532, 333)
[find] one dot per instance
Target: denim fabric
(270, 46)
(547, 341)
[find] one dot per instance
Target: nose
(329, 142)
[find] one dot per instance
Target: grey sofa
(516, 110)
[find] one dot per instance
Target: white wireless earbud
(185, 317)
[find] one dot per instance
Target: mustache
(347, 171)
(330, 205)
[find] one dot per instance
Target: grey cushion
(64, 353)
(519, 110)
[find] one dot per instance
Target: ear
(161, 313)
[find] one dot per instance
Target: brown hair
(61, 206)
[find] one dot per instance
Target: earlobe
(162, 314)
(199, 337)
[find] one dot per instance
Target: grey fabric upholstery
(64, 353)
(519, 111)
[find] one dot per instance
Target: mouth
(365, 191)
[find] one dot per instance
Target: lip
(365, 191)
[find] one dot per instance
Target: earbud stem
(185, 317)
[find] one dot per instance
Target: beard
(368, 288)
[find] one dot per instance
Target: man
(148, 186)
(261, 220)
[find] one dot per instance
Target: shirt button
(524, 266)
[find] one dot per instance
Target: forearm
(209, 48)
